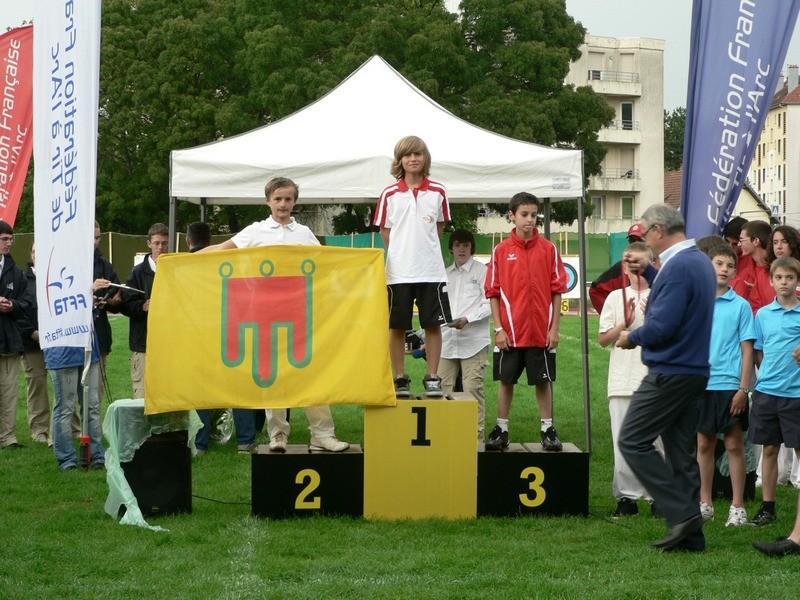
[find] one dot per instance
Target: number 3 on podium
(536, 478)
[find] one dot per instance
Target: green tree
(522, 50)
(674, 132)
(179, 74)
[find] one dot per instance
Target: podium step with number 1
(420, 460)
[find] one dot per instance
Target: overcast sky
(668, 20)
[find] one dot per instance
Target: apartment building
(775, 170)
(629, 74)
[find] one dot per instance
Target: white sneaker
(328, 444)
(706, 511)
(736, 516)
(278, 443)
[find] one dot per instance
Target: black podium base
(525, 479)
(299, 483)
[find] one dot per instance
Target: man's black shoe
(778, 548)
(678, 533)
(498, 440)
(626, 507)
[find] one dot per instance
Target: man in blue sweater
(675, 341)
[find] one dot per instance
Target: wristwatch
(497, 330)
(745, 390)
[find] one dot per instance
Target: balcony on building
(616, 180)
(615, 83)
(624, 131)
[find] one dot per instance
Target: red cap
(636, 231)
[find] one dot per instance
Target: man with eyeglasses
(12, 304)
(752, 281)
(136, 304)
(675, 341)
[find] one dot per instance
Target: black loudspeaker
(160, 474)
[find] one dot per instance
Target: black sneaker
(402, 386)
(498, 440)
(550, 440)
(433, 386)
(626, 507)
(763, 517)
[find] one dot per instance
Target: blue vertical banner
(66, 82)
(737, 51)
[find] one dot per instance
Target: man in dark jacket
(136, 304)
(33, 361)
(106, 299)
(12, 303)
(675, 341)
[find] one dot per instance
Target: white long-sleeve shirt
(465, 289)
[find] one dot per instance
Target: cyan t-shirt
(777, 335)
(733, 324)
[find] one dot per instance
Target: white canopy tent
(339, 150)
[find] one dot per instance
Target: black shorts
(714, 412)
(538, 362)
(432, 302)
(775, 420)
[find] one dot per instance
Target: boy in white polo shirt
(411, 214)
(280, 228)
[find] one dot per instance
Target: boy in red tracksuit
(524, 285)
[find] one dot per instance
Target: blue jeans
(248, 422)
(201, 439)
(68, 393)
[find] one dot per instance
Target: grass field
(56, 541)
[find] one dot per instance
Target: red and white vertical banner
(16, 117)
(66, 67)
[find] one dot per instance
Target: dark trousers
(248, 423)
(666, 405)
(204, 433)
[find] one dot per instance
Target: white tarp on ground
(340, 147)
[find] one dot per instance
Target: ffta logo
(265, 305)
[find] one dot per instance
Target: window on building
(626, 208)
(626, 113)
(598, 207)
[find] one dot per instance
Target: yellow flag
(268, 327)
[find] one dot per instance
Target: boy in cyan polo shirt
(775, 415)
(723, 407)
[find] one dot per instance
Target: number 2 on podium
(303, 501)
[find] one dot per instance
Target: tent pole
(172, 223)
(546, 217)
(584, 317)
(203, 207)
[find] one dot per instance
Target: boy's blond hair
(787, 263)
(405, 146)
